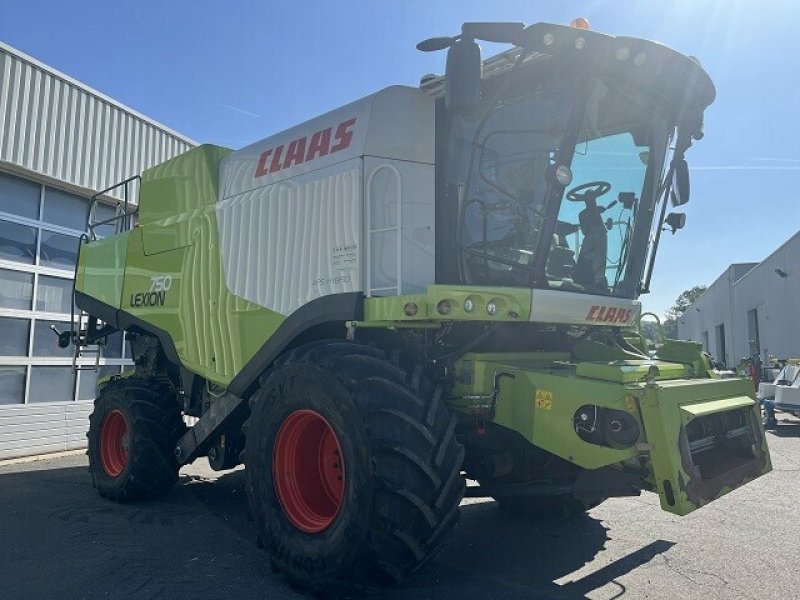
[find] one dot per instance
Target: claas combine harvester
(427, 285)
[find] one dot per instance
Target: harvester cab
(424, 285)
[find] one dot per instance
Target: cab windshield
(608, 143)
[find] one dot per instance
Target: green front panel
(699, 438)
(541, 404)
(101, 268)
(686, 480)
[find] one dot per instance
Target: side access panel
(399, 221)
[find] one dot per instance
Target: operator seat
(561, 261)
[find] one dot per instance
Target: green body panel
(539, 394)
(513, 304)
(214, 332)
(540, 402)
(101, 269)
(631, 371)
(667, 408)
(711, 407)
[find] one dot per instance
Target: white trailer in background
(783, 393)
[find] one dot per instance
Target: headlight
(410, 309)
(564, 175)
(491, 308)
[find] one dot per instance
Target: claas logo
(609, 314)
(323, 142)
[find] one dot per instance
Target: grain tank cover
(396, 123)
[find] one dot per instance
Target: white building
(758, 302)
(60, 141)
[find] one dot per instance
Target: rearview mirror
(463, 75)
(680, 183)
(675, 221)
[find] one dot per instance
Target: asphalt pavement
(60, 540)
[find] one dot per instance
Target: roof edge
(92, 91)
(768, 256)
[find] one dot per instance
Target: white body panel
(291, 242)
(555, 306)
(400, 241)
(293, 217)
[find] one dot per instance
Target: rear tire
(384, 482)
(132, 435)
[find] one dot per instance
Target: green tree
(683, 302)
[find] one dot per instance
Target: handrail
(661, 331)
(123, 217)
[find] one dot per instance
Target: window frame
(33, 315)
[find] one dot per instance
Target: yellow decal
(544, 400)
(630, 402)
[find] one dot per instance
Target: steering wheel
(591, 190)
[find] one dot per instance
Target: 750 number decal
(156, 295)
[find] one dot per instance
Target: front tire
(132, 435)
(352, 468)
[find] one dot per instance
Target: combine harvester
(424, 285)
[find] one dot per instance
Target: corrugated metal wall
(54, 126)
(744, 288)
(42, 428)
(56, 130)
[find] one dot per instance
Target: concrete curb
(28, 459)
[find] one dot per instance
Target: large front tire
(132, 436)
(353, 470)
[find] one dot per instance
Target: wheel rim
(114, 443)
(308, 470)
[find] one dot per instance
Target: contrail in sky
(746, 168)
(240, 110)
(792, 160)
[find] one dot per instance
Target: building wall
(60, 141)
(776, 300)
(711, 310)
(751, 287)
(61, 130)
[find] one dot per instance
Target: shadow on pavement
(786, 428)
(494, 555)
(59, 539)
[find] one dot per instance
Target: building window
(16, 289)
(40, 229)
(706, 346)
(12, 385)
(19, 197)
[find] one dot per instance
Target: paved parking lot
(58, 539)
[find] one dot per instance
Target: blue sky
(232, 72)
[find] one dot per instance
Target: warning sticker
(544, 400)
(344, 257)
